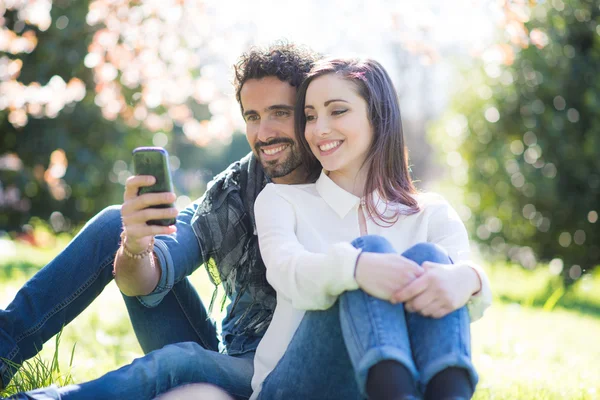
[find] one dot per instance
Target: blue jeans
(158, 372)
(332, 351)
(61, 290)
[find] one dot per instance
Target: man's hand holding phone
(137, 211)
(148, 201)
(147, 211)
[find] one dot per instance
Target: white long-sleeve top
(304, 235)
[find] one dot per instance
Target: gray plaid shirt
(225, 228)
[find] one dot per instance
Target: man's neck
(296, 177)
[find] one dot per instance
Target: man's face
(268, 105)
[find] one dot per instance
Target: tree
(524, 139)
(82, 83)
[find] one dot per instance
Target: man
(217, 230)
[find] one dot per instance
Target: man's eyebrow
(280, 107)
(270, 108)
(326, 103)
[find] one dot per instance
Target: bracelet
(356, 263)
(137, 256)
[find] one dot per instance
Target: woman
(400, 329)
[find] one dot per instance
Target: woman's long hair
(387, 159)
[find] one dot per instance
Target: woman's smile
(329, 146)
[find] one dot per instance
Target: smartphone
(154, 161)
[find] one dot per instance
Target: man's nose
(266, 131)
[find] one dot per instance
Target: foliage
(523, 141)
(82, 83)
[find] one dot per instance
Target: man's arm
(136, 277)
(137, 270)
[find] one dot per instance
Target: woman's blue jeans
(332, 351)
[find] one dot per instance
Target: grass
(521, 350)
(38, 372)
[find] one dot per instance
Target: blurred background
(501, 109)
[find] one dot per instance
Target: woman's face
(337, 126)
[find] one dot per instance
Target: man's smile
(274, 149)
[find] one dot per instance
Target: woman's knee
(424, 251)
(373, 244)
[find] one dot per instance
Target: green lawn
(520, 350)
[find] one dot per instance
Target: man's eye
(251, 118)
(282, 113)
(338, 112)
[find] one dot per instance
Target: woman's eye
(338, 112)
(310, 118)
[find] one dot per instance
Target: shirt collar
(342, 202)
(337, 198)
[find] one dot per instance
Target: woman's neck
(351, 181)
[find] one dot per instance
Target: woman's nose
(322, 127)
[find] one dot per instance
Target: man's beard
(282, 166)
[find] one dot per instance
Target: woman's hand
(135, 213)
(383, 274)
(443, 288)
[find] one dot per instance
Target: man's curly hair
(285, 61)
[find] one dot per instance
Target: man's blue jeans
(158, 372)
(68, 284)
(332, 350)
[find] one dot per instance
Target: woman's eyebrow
(326, 103)
(332, 100)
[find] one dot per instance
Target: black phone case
(154, 161)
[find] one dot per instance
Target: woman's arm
(480, 299)
(445, 288)
(309, 280)
(314, 280)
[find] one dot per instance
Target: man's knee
(196, 391)
(106, 223)
(373, 244)
(110, 214)
(424, 251)
(174, 359)
(181, 349)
